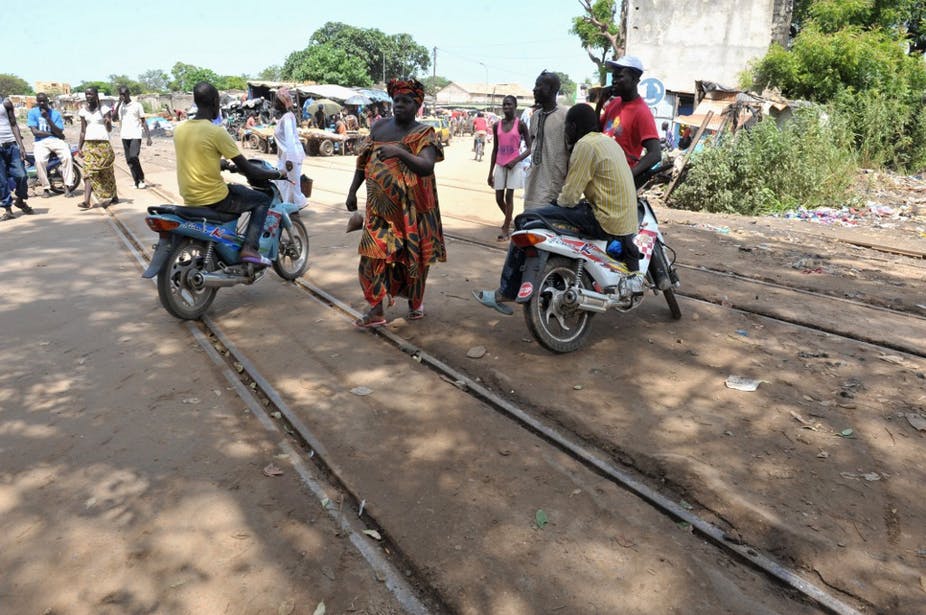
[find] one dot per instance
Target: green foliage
(115, 81)
(806, 162)
(231, 82)
(186, 76)
(596, 44)
(154, 80)
(103, 87)
(396, 55)
(326, 63)
(433, 84)
(863, 55)
(11, 84)
(567, 86)
(271, 73)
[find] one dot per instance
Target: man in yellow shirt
(201, 146)
(599, 170)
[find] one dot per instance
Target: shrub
(805, 162)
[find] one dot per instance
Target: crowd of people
(581, 165)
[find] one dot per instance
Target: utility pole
(434, 82)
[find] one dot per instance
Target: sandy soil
(776, 466)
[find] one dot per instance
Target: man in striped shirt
(598, 170)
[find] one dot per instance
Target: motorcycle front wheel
(555, 326)
(293, 256)
(176, 288)
(56, 180)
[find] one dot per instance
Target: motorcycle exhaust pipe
(216, 280)
(587, 300)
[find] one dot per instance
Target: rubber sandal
(84, 206)
(263, 261)
(415, 314)
(370, 321)
(503, 237)
(487, 298)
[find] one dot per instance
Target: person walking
(402, 231)
(94, 147)
(505, 171)
(290, 152)
(132, 127)
(47, 128)
(549, 155)
(12, 164)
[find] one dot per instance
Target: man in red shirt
(627, 118)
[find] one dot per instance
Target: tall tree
(326, 63)
(385, 56)
(154, 80)
(271, 73)
(11, 84)
(186, 76)
(601, 31)
(433, 84)
(104, 87)
(115, 81)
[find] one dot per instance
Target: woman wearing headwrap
(289, 149)
(402, 233)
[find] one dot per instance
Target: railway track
(416, 599)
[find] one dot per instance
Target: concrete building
(52, 88)
(481, 94)
(681, 43)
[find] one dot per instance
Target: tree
(271, 73)
(567, 87)
(103, 87)
(326, 63)
(11, 84)
(231, 82)
(600, 31)
(385, 56)
(154, 80)
(433, 84)
(186, 76)
(117, 81)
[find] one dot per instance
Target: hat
(626, 62)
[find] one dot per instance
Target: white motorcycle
(568, 279)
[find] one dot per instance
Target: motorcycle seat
(193, 214)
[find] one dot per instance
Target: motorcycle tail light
(526, 240)
(160, 225)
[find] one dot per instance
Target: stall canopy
(330, 91)
(376, 95)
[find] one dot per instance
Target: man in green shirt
(598, 170)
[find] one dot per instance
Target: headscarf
(284, 96)
(412, 87)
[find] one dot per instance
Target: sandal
(487, 298)
(370, 321)
(503, 236)
(415, 314)
(84, 206)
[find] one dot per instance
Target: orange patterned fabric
(402, 231)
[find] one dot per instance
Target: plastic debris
(373, 534)
(742, 383)
(271, 469)
(916, 421)
(540, 518)
(361, 391)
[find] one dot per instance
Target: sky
(477, 40)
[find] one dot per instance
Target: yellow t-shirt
(200, 145)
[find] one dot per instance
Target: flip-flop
(370, 321)
(487, 298)
(503, 237)
(415, 314)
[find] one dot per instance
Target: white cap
(626, 61)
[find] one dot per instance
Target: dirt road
(457, 490)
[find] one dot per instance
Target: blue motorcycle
(198, 250)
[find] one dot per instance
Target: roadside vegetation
(861, 63)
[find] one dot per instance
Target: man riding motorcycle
(201, 146)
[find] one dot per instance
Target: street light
(487, 83)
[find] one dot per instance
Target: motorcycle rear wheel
(175, 289)
(293, 256)
(556, 328)
(660, 264)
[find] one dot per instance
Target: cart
(317, 142)
(260, 138)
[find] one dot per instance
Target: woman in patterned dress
(402, 233)
(95, 126)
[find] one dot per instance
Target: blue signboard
(652, 90)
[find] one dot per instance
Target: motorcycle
(568, 279)
(55, 177)
(198, 250)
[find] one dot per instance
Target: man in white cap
(627, 118)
